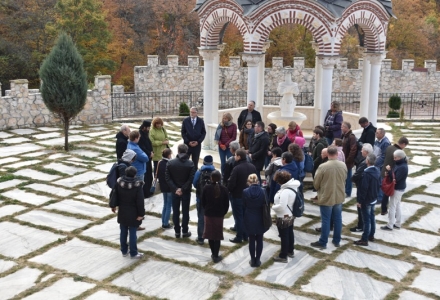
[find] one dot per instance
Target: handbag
(153, 185)
(285, 221)
(388, 184)
(267, 218)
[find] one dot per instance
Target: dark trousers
(148, 179)
(238, 211)
(185, 200)
(194, 152)
(255, 246)
(384, 204)
(360, 223)
(287, 240)
(215, 247)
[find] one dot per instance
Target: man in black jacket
(146, 146)
(259, 147)
(122, 140)
(179, 176)
(369, 133)
(249, 114)
(236, 184)
(193, 133)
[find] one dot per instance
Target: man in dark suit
(193, 133)
(248, 114)
(258, 148)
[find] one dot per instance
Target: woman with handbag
(254, 200)
(164, 188)
(399, 173)
(159, 139)
(283, 205)
(225, 134)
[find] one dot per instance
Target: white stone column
(215, 84)
(375, 61)
(253, 61)
(318, 87)
(261, 83)
(365, 87)
(327, 64)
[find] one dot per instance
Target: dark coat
(349, 147)
(334, 128)
(370, 186)
(122, 165)
(190, 133)
(368, 135)
(357, 176)
(121, 144)
(180, 173)
(389, 158)
(238, 180)
(162, 166)
(128, 196)
(215, 207)
(283, 146)
(258, 149)
(145, 143)
(254, 200)
(401, 173)
(256, 116)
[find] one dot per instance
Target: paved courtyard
(59, 239)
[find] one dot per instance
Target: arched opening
(231, 36)
(351, 41)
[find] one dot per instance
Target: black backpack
(112, 176)
(204, 179)
(298, 206)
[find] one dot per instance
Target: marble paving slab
(85, 259)
(107, 143)
(10, 209)
(110, 136)
(421, 160)
(16, 140)
(57, 191)
(433, 189)
(408, 295)
(237, 262)
(376, 247)
(242, 290)
(10, 183)
(425, 148)
(77, 207)
(23, 131)
(155, 203)
(4, 135)
(430, 221)
(65, 288)
(193, 229)
(19, 240)
(69, 170)
(409, 238)
(288, 274)
(48, 129)
(89, 199)
(60, 141)
(8, 160)
(413, 169)
(104, 295)
(109, 230)
(101, 148)
(26, 197)
(97, 127)
(22, 164)
(98, 133)
(36, 175)
(77, 131)
(391, 268)
(169, 281)
(179, 251)
(15, 283)
(104, 167)
(101, 189)
(86, 153)
(44, 136)
(18, 149)
(425, 123)
(57, 155)
(415, 131)
(426, 259)
(80, 179)
(428, 281)
(36, 154)
(407, 210)
(6, 265)
(347, 285)
(55, 221)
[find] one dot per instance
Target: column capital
(209, 53)
(266, 45)
(328, 62)
(375, 58)
(252, 59)
(221, 47)
(315, 46)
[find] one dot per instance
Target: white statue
(287, 89)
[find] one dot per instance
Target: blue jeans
(238, 211)
(185, 199)
(329, 140)
(200, 220)
(369, 221)
(166, 210)
(267, 161)
(348, 183)
(224, 155)
(287, 241)
(328, 212)
(125, 230)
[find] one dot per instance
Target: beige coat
(330, 182)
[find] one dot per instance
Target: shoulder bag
(388, 184)
(153, 186)
(267, 218)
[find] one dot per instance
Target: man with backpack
(202, 178)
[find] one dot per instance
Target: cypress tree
(64, 82)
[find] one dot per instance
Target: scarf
(280, 141)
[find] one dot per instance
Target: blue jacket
(370, 185)
(401, 173)
(253, 201)
(380, 149)
(141, 158)
(198, 172)
(292, 168)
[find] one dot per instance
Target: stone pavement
(59, 239)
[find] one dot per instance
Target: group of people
(280, 152)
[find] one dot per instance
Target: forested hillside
(115, 35)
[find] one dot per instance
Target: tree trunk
(66, 135)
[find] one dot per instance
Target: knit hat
(300, 141)
(128, 155)
(146, 123)
(207, 160)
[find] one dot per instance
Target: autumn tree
(64, 83)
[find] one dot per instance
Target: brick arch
(213, 22)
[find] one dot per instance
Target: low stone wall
(22, 107)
